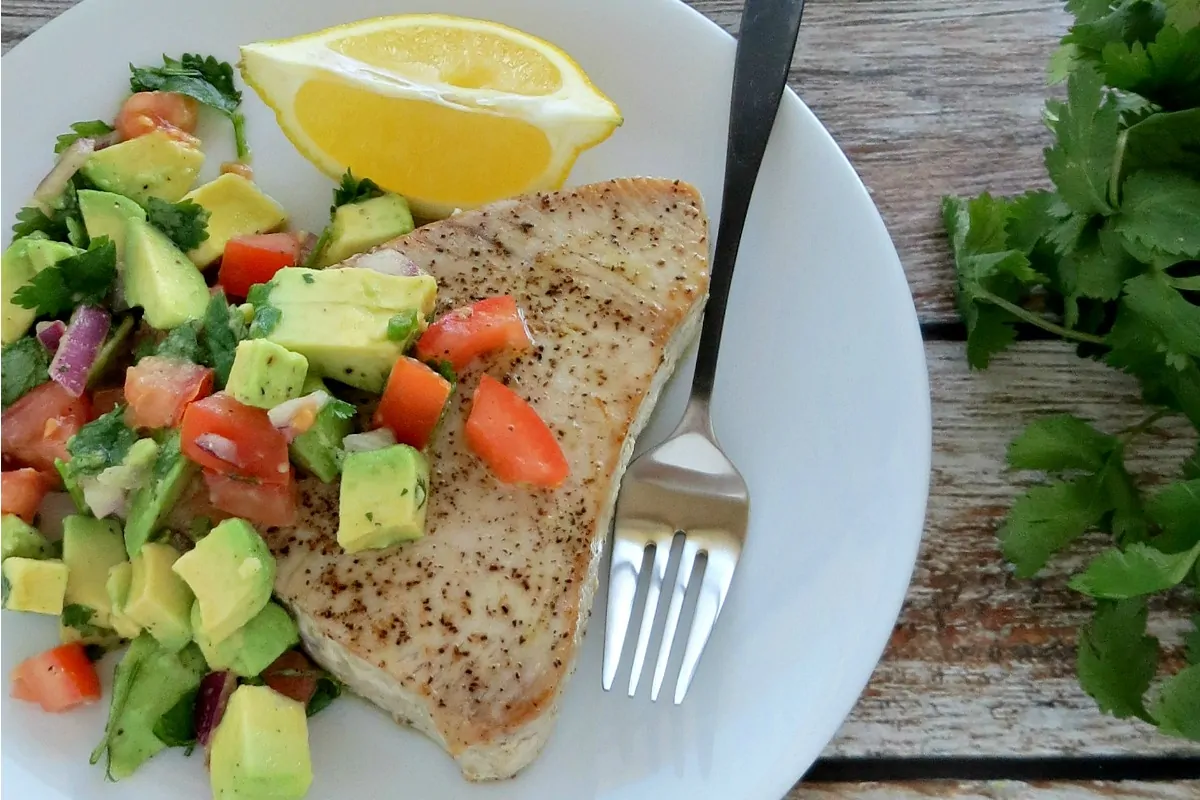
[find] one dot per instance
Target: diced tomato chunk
(507, 433)
(264, 503)
(36, 428)
(23, 490)
(255, 259)
(225, 436)
(57, 680)
(464, 334)
(173, 113)
(412, 402)
(158, 390)
(293, 675)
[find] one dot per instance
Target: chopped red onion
(294, 417)
(215, 689)
(371, 440)
(219, 446)
(53, 185)
(51, 333)
(103, 499)
(388, 262)
(77, 350)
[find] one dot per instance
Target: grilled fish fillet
(470, 634)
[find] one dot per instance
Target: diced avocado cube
(149, 681)
(231, 572)
(108, 214)
(265, 374)
(319, 449)
(160, 278)
(260, 750)
(338, 319)
(236, 207)
(23, 259)
(158, 600)
(357, 227)
(87, 633)
(383, 498)
(150, 504)
(253, 647)
(90, 548)
(20, 539)
(36, 585)
(120, 576)
(152, 165)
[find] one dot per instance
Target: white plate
(822, 400)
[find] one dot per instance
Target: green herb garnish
(204, 79)
(185, 223)
(84, 279)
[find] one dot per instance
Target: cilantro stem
(1130, 433)
(239, 136)
(1033, 319)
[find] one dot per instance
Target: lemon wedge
(448, 111)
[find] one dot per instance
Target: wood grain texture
(998, 790)
(927, 98)
(982, 663)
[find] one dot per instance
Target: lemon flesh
(450, 112)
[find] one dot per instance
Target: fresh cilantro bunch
(1108, 260)
(202, 78)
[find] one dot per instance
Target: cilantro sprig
(83, 279)
(82, 130)
(1110, 261)
(350, 190)
(202, 78)
(185, 223)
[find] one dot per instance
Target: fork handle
(764, 56)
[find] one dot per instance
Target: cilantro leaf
(1193, 642)
(1176, 510)
(340, 409)
(1139, 348)
(100, 444)
(354, 190)
(83, 279)
(59, 220)
(1081, 161)
(328, 689)
(1167, 141)
(1160, 209)
(1183, 14)
(183, 343)
(224, 327)
(1165, 70)
(1162, 307)
(202, 78)
(1048, 518)
(82, 130)
(185, 223)
(1177, 707)
(1191, 467)
(26, 365)
(177, 727)
(1097, 267)
(988, 271)
(79, 617)
(1059, 443)
(1138, 570)
(1116, 659)
(266, 317)
(1128, 22)
(403, 326)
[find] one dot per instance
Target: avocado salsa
(165, 340)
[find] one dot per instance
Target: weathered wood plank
(998, 790)
(982, 663)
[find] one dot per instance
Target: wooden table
(976, 696)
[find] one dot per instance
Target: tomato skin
(35, 429)
(292, 675)
(412, 402)
(509, 436)
(22, 491)
(173, 113)
(159, 389)
(255, 259)
(464, 334)
(264, 503)
(58, 679)
(258, 449)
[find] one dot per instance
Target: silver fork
(687, 484)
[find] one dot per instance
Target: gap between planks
(998, 790)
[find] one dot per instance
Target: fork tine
(687, 563)
(662, 553)
(622, 587)
(718, 574)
